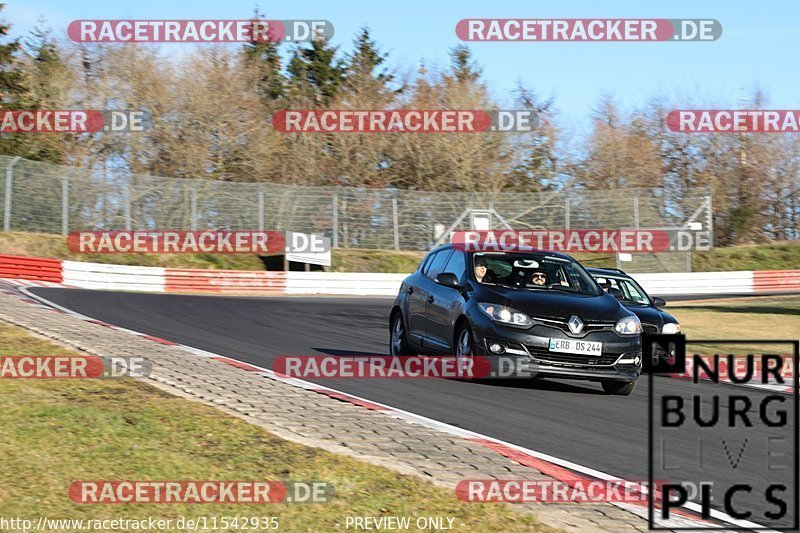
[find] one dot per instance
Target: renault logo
(575, 324)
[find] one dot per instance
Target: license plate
(576, 346)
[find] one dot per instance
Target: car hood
(651, 315)
(557, 305)
(647, 315)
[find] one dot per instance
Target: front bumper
(526, 353)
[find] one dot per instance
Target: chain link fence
(40, 197)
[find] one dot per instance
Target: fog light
(496, 347)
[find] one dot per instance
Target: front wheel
(464, 342)
(398, 344)
(465, 349)
(619, 388)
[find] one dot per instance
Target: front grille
(570, 360)
(588, 326)
(649, 328)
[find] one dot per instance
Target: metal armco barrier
(344, 283)
(156, 279)
(776, 280)
(113, 277)
(667, 284)
(224, 281)
(31, 268)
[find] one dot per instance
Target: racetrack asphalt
(571, 420)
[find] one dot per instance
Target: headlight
(506, 315)
(628, 325)
(670, 328)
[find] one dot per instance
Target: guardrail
(776, 280)
(224, 281)
(156, 279)
(113, 277)
(344, 283)
(32, 268)
(700, 283)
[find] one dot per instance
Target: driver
(482, 272)
(539, 278)
(480, 269)
(613, 291)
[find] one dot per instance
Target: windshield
(532, 271)
(624, 289)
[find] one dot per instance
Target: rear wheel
(619, 388)
(398, 344)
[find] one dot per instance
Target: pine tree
(46, 67)
(45, 82)
(464, 68)
(316, 73)
(22, 72)
(11, 86)
(264, 57)
(364, 77)
(537, 162)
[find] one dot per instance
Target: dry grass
(762, 318)
(58, 431)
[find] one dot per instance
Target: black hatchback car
(630, 294)
(541, 308)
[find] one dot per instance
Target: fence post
(128, 222)
(260, 210)
(335, 219)
(345, 228)
(7, 199)
(636, 210)
(394, 222)
(710, 219)
(65, 204)
(194, 210)
(566, 213)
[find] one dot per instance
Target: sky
(755, 49)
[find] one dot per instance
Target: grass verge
(55, 432)
(769, 317)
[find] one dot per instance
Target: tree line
(210, 112)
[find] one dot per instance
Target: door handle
(410, 290)
(430, 299)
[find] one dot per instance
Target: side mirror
(448, 279)
(659, 302)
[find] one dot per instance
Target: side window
(632, 294)
(426, 261)
(437, 263)
(457, 265)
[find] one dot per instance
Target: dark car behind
(630, 294)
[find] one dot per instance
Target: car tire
(618, 388)
(398, 341)
(465, 345)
